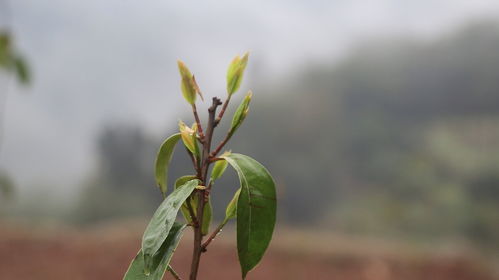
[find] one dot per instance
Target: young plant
(253, 204)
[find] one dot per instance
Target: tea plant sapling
(253, 204)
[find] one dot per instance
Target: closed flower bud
(235, 73)
(187, 85)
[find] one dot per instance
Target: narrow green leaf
(235, 73)
(185, 208)
(22, 70)
(161, 259)
(207, 213)
(218, 169)
(207, 216)
(231, 210)
(184, 179)
(241, 113)
(163, 160)
(256, 210)
(233, 66)
(187, 84)
(163, 219)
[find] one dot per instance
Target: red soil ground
(106, 252)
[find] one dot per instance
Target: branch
(221, 145)
(213, 235)
(222, 112)
(191, 213)
(198, 122)
(198, 235)
(209, 135)
(194, 160)
(213, 159)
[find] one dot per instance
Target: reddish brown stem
(198, 122)
(222, 111)
(212, 236)
(221, 145)
(191, 213)
(194, 160)
(213, 159)
(198, 235)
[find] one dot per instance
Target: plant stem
(221, 145)
(213, 235)
(224, 107)
(195, 161)
(202, 198)
(198, 122)
(196, 252)
(191, 212)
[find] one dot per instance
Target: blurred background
(378, 119)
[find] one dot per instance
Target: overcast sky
(98, 62)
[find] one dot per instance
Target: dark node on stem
(224, 107)
(213, 159)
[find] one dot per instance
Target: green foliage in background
(253, 205)
(403, 132)
(11, 60)
(6, 186)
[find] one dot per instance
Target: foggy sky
(101, 62)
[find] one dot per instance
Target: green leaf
(5, 50)
(207, 216)
(22, 70)
(161, 259)
(189, 138)
(184, 179)
(163, 219)
(185, 208)
(241, 113)
(235, 73)
(187, 85)
(207, 213)
(231, 210)
(163, 160)
(218, 169)
(233, 66)
(256, 210)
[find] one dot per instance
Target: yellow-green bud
(231, 210)
(219, 167)
(241, 112)
(187, 85)
(235, 73)
(188, 136)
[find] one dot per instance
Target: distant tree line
(401, 138)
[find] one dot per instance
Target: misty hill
(400, 137)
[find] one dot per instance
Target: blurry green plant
(14, 63)
(11, 60)
(253, 204)
(6, 185)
